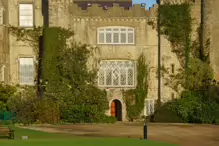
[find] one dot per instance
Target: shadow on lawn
(3, 137)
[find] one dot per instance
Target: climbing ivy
(176, 26)
(135, 98)
(30, 36)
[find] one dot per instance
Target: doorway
(116, 109)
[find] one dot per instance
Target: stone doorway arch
(116, 109)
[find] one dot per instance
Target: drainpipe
(159, 55)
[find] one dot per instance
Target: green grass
(37, 138)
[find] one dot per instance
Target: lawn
(37, 138)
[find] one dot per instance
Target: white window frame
(149, 107)
(1, 15)
(2, 73)
(105, 30)
(20, 74)
(119, 78)
(21, 22)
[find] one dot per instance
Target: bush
(110, 119)
(8, 122)
(184, 107)
(193, 107)
(47, 111)
(23, 104)
(165, 114)
(217, 121)
(6, 91)
(1, 122)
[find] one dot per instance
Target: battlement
(94, 10)
(180, 1)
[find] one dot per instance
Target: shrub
(70, 80)
(23, 104)
(6, 91)
(8, 122)
(47, 111)
(165, 114)
(110, 119)
(193, 107)
(184, 107)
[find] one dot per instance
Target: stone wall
(214, 52)
(17, 48)
(85, 23)
(4, 51)
(4, 54)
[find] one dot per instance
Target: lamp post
(159, 55)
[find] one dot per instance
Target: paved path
(181, 134)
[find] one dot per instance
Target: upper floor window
(26, 71)
(1, 15)
(26, 15)
(115, 35)
(116, 73)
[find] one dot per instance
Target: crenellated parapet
(180, 1)
(95, 11)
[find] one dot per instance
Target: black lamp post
(159, 55)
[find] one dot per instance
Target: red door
(113, 108)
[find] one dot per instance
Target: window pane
(123, 76)
(108, 77)
(101, 37)
(26, 15)
(130, 37)
(115, 37)
(116, 76)
(130, 77)
(1, 15)
(26, 71)
(101, 77)
(108, 37)
(123, 38)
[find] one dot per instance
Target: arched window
(115, 35)
(116, 73)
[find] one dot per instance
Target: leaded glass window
(116, 73)
(115, 35)
(149, 107)
(26, 71)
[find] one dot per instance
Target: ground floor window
(149, 107)
(119, 73)
(26, 71)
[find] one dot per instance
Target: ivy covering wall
(135, 98)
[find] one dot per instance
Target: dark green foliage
(5, 92)
(176, 26)
(28, 108)
(23, 105)
(193, 107)
(199, 74)
(165, 114)
(135, 98)
(173, 18)
(70, 82)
